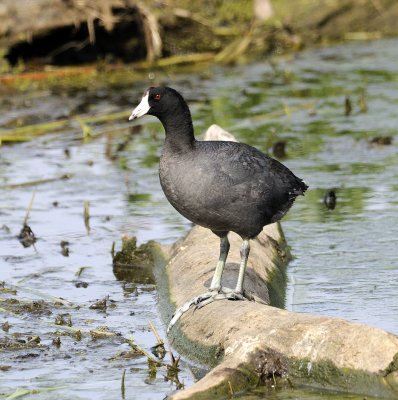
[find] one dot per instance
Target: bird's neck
(179, 129)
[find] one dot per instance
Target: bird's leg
(224, 249)
(244, 255)
(216, 291)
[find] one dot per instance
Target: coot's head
(158, 101)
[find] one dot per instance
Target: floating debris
(80, 271)
(122, 385)
(381, 140)
(5, 228)
(65, 248)
(34, 339)
(86, 215)
(36, 182)
(132, 263)
(4, 289)
(173, 370)
(5, 326)
(330, 199)
(63, 319)
(153, 366)
(279, 149)
(20, 392)
(363, 105)
(100, 304)
(347, 106)
(81, 284)
(78, 335)
(159, 351)
(113, 250)
(126, 355)
(103, 304)
(87, 132)
(102, 332)
(36, 307)
(18, 344)
(26, 237)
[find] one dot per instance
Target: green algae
(326, 375)
(393, 366)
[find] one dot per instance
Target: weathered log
(249, 342)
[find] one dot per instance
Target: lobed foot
(205, 299)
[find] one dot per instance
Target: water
(345, 261)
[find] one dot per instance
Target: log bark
(248, 343)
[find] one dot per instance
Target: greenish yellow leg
(224, 249)
(244, 255)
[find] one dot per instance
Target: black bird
(220, 185)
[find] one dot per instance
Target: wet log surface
(249, 343)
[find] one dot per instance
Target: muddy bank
(76, 32)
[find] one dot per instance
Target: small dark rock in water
(55, 203)
(347, 106)
(64, 248)
(279, 149)
(330, 199)
(381, 140)
(81, 284)
(26, 236)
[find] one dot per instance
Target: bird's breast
(204, 194)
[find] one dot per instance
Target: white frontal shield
(141, 109)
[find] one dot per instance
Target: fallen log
(249, 343)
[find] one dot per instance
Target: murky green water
(345, 259)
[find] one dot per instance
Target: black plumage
(224, 186)
(227, 186)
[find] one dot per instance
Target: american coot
(221, 185)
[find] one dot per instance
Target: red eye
(157, 96)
